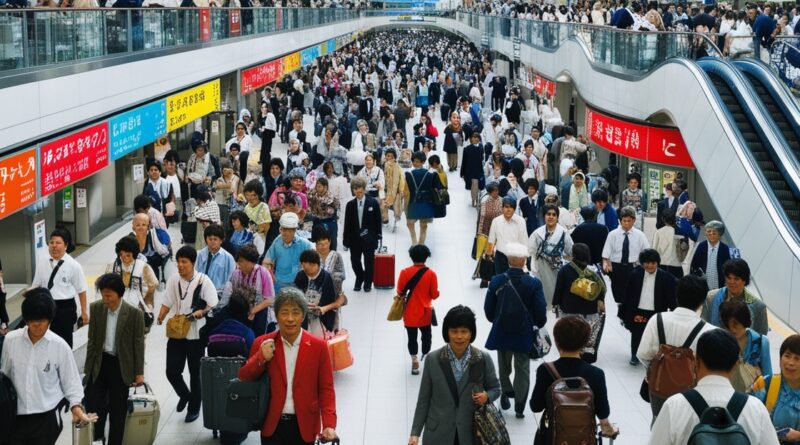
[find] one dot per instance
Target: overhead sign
(646, 142)
(331, 45)
(308, 55)
(291, 62)
(263, 74)
(73, 157)
(135, 128)
(191, 104)
(17, 182)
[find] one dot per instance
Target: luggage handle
(381, 248)
(147, 388)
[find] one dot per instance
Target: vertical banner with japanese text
(17, 182)
(193, 103)
(234, 22)
(205, 25)
(73, 157)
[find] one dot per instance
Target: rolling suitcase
(384, 269)
(82, 433)
(141, 424)
(216, 374)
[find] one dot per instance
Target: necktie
(626, 248)
(360, 211)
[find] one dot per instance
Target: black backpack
(717, 425)
(8, 405)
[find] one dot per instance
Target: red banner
(205, 25)
(73, 157)
(263, 74)
(17, 182)
(234, 22)
(278, 19)
(646, 142)
(544, 86)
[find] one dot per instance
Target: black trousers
(413, 347)
(287, 433)
(675, 271)
(364, 272)
(64, 322)
(108, 397)
(36, 429)
(179, 352)
(619, 279)
(637, 330)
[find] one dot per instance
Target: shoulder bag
(541, 338)
(585, 286)
(488, 425)
(399, 302)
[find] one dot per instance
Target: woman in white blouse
(241, 137)
(549, 246)
(374, 176)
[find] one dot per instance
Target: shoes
(191, 417)
(634, 361)
(414, 365)
(182, 404)
(484, 284)
(357, 287)
(520, 415)
(367, 288)
(505, 403)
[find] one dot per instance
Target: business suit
(444, 406)
(362, 239)
(664, 299)
(109, 376)
(531, 210)
(664, 205)
(700, 261)
(312, 385)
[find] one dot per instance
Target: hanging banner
(17, 182)
(205, 25)
(135, 128)
(291, 62)
(646, 142)
(331, 45)
(308, 55)
(192, 104)
(323, 49)
(234, 22)
(263, 74)
(73, 157)
(278, 19)
(785, 60)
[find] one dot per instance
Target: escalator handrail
(764, 125)
(783, 99)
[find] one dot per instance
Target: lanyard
(183, 294)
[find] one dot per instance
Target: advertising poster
(138, 172)
(80, 198)
(17, 182)
(72, 158)
(291, 62)
(205, 25)
(136, 128)
(260, 75)
(194, 103)
(653, 186)
(234, 22)
(40, 238)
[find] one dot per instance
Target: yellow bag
(178, 327)
(397, 309)
(585, 286)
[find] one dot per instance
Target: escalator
(772, 154)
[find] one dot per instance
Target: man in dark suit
(472, 167)
(591, 233)
(366, 104)
(114, 356)
(650, 290)
(362, 232)
(670, 201)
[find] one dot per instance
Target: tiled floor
(376, 397)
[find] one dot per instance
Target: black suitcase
(216, 374)
(445, 113)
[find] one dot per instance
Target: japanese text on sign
(308, 55)
(291, 62)
(263, 74)
(661, 145)
(192, 104)
(17, 182)
(73, 157)
(137, 127)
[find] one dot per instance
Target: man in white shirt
(678, 325)
(717, 356)
(42, 368)
(188, 294)
(505, 229)
(63, 277)
(622, 248)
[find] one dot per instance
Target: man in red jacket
(302, 399)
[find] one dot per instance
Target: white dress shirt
(677, 326)
(68, 282)
(637, 242)
(677, 418)
(504, 231)
(42, 373)
(110, 344)
(647, 299)
(360, 210)
(290, 351)
(178, 297)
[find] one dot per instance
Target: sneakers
(414, 365)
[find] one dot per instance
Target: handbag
(399, 303)
(681, 247)
(440, 197)
(339, 349)
(489, 426)
(178, 327)
(585, 286)
(486, 268)
(248, 401)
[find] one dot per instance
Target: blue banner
(331, 45)
(308, 55)
(135, 128)
(785, 60)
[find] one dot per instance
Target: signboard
(331, 45)
(234, 22)
(40, 239)
(785, 60)
(17, 182)
(80, 198)
(646, 142)
(544, 86)
(291, 62)
(73, 157)
(654, 187)
(138, 172)
(323, 49)
(308, 55)
(263, 74)
(205, 25)
(68, 198)
(135, 128)
(192, 104)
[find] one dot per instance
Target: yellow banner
(191, 104)
(323, 49)
(291, 62)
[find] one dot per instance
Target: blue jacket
(234, 327)
(763, 26)
(611, 218)
(532, 294)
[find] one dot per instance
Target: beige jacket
(395, 181)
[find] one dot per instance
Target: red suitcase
(384, 269)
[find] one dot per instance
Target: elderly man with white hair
(516, 307)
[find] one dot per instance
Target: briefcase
(248, 401)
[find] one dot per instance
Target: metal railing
(31, 38)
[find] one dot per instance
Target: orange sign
(291, 62)
(17, 182)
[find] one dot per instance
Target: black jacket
(700, 260)
(593, 235)
(532, 212)
(662, 205)
(664, 293)
(471, 164)
(569, 302)
(369, 232)
(365, 108)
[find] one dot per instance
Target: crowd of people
(262, 262)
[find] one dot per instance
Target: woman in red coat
(422, 287)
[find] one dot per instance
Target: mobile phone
(783, 432)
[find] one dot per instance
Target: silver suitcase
(82, 433)
(141, 424)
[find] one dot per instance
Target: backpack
(569, 416)
(717, 425)
(154, 196)
(672, 369)
(8, 404)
